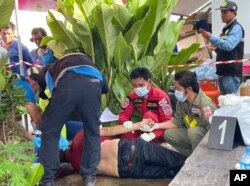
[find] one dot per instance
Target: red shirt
(156, 105)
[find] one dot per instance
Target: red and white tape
(24, 62)
(211, 63)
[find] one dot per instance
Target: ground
(67, 177)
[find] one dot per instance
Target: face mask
(141, 91)
(180, 96)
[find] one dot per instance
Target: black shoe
(89, 180)
(51, 183)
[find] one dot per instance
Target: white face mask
(141, 91)
(180, 96)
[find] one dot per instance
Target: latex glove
(127, 124)
(63, 144)
(37, 141)
(145, 128)
(148, 136)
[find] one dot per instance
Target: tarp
(36, 5)
(187, 7)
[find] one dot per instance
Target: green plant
(6, 7)
(15, 164)
(15, 154)
(119, 38)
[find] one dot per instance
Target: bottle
(245, 159)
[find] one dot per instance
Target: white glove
(127, 124)
(148, 136)
(146, 128)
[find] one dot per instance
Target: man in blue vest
(229, 46)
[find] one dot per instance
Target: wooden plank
(208, 166)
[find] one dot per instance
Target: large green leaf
(6, 7)
(84, 32)
(121, 51)
(60, 30)
(103, 15)
(162, 58)
(121, 16)
(121, 87)
(134, 5)
(59, 48)
(183, 56)
(86, 7)
(35, 174)
(158, 8)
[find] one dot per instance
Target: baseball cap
(228, 5)
(42, 83)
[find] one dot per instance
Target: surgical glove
(127, 124)
(146, 128)
(63, 144)
(37, 141)
(152, 135)
(148, 136)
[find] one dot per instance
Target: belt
(131, 157)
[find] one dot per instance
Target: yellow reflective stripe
(191, 124)
(186, 118)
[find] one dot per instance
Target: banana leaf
(6, 7)
(121, 87)
(121, 17)
(134, 5)
(59, 29)
(121, 52)
(103, 15)
(153, 18)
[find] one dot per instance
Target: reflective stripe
(191, 124)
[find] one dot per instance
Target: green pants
(185, 140)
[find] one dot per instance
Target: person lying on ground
(127, 158)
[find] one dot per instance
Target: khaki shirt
(195, 114)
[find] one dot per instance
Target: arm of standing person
(228, 42)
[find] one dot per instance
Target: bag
(241, 110)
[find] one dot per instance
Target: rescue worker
(190, 122)
(229, 46)
(78, 86)
(149, 101)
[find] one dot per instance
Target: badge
(152, 105)
(125, 103)
(166, 107)
(207, 112)
(138, 102)
(195, 110)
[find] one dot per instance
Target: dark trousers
(150, 160)
(82, 93)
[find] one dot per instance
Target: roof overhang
(187, 7)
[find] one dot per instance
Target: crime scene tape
(24, 62)
(164, 66)
(209, 63)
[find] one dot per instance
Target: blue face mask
(141, 91)
(180, 96)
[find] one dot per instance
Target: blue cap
(228, 5)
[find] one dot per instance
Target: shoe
(89, 180)
(51, 183)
